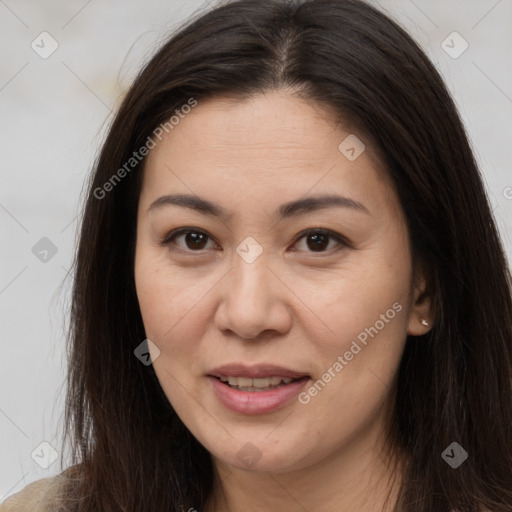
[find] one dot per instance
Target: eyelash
(343, 243)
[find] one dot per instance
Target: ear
(421, 317)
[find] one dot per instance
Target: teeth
(257, 383)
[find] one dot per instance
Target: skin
(300, 308)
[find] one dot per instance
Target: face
(251, 279)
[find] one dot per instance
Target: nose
(254, 301)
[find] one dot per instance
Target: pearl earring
(424, 322)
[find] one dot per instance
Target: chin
(263, 455)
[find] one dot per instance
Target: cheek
(371, 291)
(171, 301)
(357, 358)
(170, 306)
(162, 306)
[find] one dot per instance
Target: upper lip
(255, 371)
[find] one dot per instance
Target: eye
(317, 240)
(193, 240)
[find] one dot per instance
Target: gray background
(54, 112)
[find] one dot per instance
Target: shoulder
(35, 496)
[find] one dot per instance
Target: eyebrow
(286, 210)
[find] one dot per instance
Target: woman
(290, 293)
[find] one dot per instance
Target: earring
(423, 322)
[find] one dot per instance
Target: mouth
(249, 384)
(257, 389)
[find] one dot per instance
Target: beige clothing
(34, 497)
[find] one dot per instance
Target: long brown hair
(129, 449)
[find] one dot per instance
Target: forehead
(270, 123)
(266, 144)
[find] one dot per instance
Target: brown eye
(195, 240)
(319, 240)
(192, 240)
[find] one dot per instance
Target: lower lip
(256, 402)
